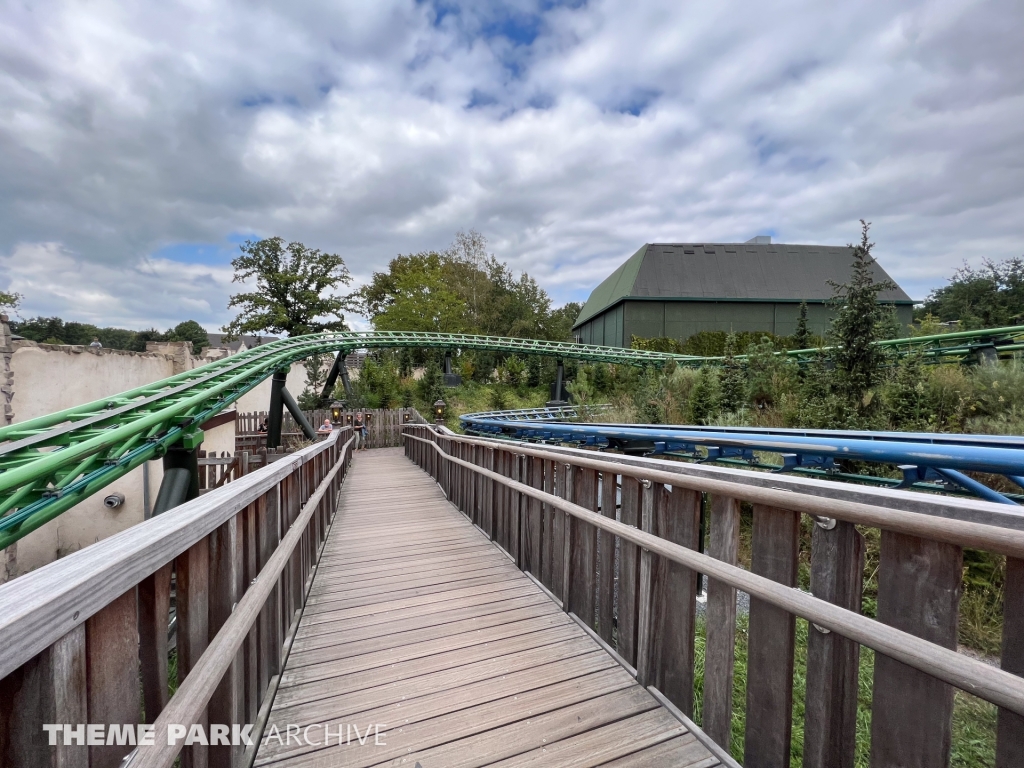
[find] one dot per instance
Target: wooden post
(226, 704)
(720, 656)
(771, 641)
(833, 662)
(1010, 731)
(112, 651)
(51, 688)
(154, 615)
(548, 552)
(584, 550)
(535, 524)
(250, 570)
(569, 537)
(268, 513)
(918, 592)
(643, 625)
(677, 519)
(490, 497)
(515, 512)
(192, 572)
(606, 561)
(629, 573)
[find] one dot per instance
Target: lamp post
(407, 417)
(439, 407)
(336, 408)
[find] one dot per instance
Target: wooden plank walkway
(416, 622)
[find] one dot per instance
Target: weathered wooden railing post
(606, 560)
(568, 538)
(584, 550)
(644, 607)
(1010, 731)
(549, 556)
(629, 572)
(720, 654)
(918, 592)
(830, 721)
(673, 625)
(771, 641)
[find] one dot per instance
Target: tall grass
(974, 720)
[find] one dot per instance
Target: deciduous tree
(296, 289)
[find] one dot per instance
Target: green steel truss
(51, 463)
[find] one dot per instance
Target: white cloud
(125, 128)
(159, 292)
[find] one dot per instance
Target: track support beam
(332, 378)
(181, 478)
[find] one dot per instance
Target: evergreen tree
(802, 337)
(704, 397)
(858, 323)
(649, 398)
(905, 396)
(734, 382)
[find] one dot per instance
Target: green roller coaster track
(51, 463)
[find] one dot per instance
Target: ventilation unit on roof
(760, 240)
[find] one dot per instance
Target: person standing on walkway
(358, 425)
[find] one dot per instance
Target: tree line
(53, 330)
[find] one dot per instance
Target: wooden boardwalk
(417, 623)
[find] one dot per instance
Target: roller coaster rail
(49, 464)
(987, 344)
(929, 462)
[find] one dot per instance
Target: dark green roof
(724, 271)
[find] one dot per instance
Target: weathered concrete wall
(37, 379)
(50, 378)
(45, 378)
(219, 440)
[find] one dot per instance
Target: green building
(678, 289)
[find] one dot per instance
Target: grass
(974, 720)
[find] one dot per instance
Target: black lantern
(407, 417)
(349, 419)
(336, 407)
(439, 407)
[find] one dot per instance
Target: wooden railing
(617, 541)
(384, 426)
(81, 637)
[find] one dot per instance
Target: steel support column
(344, 380)
(332, 378)
(276, 414)
(181, 478)
(297, 414)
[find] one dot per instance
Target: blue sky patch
(639, 100)
(205, 253)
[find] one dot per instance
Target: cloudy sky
(140, 143)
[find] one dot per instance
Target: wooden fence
(383, 425)
(616, 540)
(83, 637)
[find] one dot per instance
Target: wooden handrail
(975, 677)
(195, 691)
(39, 608)
(955, 507)
(937, 527)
